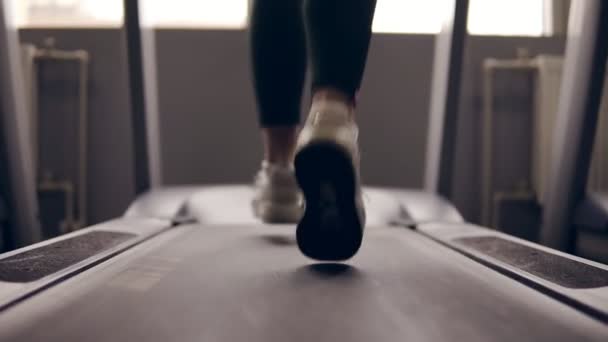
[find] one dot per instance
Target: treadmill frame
(16, 133)
(145, 117)
(576, 121)
(444, 101)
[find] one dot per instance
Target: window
(506, 18)
(227, 14)
(37, 13)
(162, 13)
(487, 17)
(408, 16)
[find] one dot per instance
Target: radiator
(519, 108)
(546, 75)
(57, 183)
(28, 55)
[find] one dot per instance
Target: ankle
(279, 161)
(332, 95)
(334, 105)
(279, 144)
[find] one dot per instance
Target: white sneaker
(327, 170)
(277, 197)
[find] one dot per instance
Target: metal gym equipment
(18, 172)
(572, 217)
(189, 263)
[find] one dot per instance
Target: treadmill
(191, 264)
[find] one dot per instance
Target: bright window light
(68, 13)
(506, 18)
(226, 14)
(408, 16)
(486, 17)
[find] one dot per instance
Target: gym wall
(208, 121)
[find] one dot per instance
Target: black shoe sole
(330, 229)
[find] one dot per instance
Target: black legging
(337, 33)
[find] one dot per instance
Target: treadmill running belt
(250, 283)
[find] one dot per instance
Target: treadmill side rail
(577, 282)
(62, 261)
(167, 203)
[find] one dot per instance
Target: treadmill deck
(250, 283)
